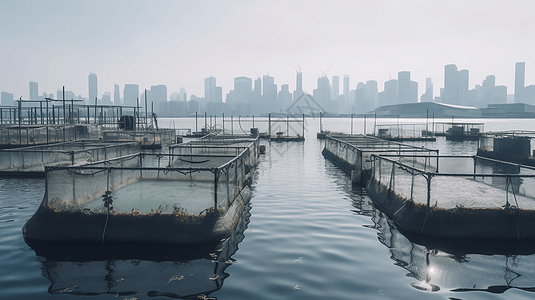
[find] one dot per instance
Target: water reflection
(138, 270)
(458, 266)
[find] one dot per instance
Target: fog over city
(180, 44)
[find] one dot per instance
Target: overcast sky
(179, 43)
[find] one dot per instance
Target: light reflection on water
(310, 236)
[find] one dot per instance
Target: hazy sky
(179, 43)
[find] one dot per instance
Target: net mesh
(35, 158)
(462, 182)
(148, 184)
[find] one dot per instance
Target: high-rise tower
(520, 70)
(34, 90)
(93, 91)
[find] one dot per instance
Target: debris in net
(176, 277)
(215, 277)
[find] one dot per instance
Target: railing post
(215, 187)
(429, 177)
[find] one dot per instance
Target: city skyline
(369, 41)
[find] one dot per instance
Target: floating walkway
(457, 197)
(186, 198)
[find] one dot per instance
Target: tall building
(372, 94)
(346, 88)
(451, 85)
(323, 93)
(298, 85)
(130, 94)
(209, 85)
(6, 99)
(93, 91)
(158, 94)
(404, 87)
(242, 89)
(428, 95)
(269, 96)
(285, 97)
(520, 70)
(116, 95)
(488, 89)
(34, 90)
(335, 91)
(464, 87)
(390, 92)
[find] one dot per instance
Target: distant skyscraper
(34, 91)
(130, 94)
(269, 96)
(93, 91)
(285, 97)
(242, 89)
(372, 94)
(520, 70)
(6, 99)
(488, 89)
(209, 85)
(323, 94)
(116, 95)
(428, 95)
(464, 87)
(452, 93)
(298, 85)
(391, 92)
(335, 91)
(299, 82)
(404, 87)
(346, 88)
(158, 96)
(183, 94)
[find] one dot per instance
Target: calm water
(306, 235)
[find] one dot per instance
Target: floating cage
(459, 131)
(353, 152)
(458, 197)
(27, 135)
(163, 198)
(31, 161)
(405, 132)
(140, 270)
(149, 139)
(512, 146)
(220, 145)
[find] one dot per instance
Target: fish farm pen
(405, 132)
(149, 139)
(199, 199)
(28, 135)
(512, 146)
(458, 131)
(31, 161)
(353, 153)
(461, 197)
(455, 197)
(220, 145)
